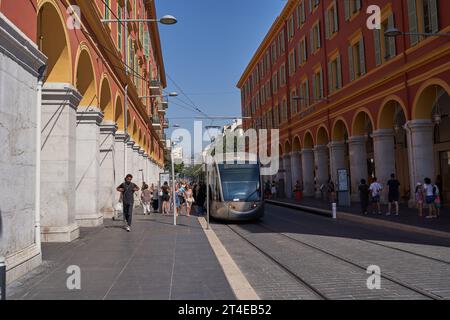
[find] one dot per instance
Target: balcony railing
(155, 87)
(156, 122)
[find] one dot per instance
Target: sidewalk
(408, 218)
(155, 261)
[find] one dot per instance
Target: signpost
(343, 188)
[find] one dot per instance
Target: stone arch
(308, 141)
(106, 103)
(287, 147)
(86, 82)
(426, 96)
(134, 130)
(322, 136)
(296, 145)
(53, 41)
(340, 130)
(362, 123)
(118, 114)
(391, 108)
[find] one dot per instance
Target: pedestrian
(364, 195)
(393, 194)
(128, 188)
(429, 191)
(189, 197)
(331, 190)
(155, 199)
(165, 198)
(437, 199)
(375, 189)
(177, 197)
(298, 191)
(146, 198)
(439, 185)
(419, 198)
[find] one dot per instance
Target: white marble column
(420, 152)
(384, 154)
(107, 188)
(296, 168)
(59, 117)
(308, 172)
(337, 158)
(88, 167)
(130, 156)
(287, 176)
(119, 160)
(358, 163)
(321, 164)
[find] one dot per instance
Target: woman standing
(146, 198)
(189, 197)
(419, 198)
(165, 198)
(155, 198)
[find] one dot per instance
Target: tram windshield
(240, 182)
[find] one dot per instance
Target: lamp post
(167, 19)
(394, 32)
(172, 94)
(174, 202)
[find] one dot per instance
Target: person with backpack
(430, 197)
(375, 189)
(393, 195)
(128, 188)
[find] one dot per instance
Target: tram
(236, 189)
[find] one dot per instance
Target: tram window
(240, 182)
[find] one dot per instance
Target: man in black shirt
(364, 195)
(128, 189)
(394, 194)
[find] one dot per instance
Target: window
(130, 53)
(294, 102)
(385, 47)
(291, 28)
(331, 20)
(302, 52)
(284, 111)
(292, 63)
(423, 17)
(276, 116)
(274, 52)
(268, 90)
(334, 74)
(147, 44)
(356, 59)
(315, 37)
(135, 9)
(317, 85)
(107, 12)
(281, 40)
(301, 17)
(352, 8)
(263, 95)
(282, 75)
(275, 82)
(304, 94)
(258, 104)
(119, 28)
(313, 4)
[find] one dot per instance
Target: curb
(364, 220)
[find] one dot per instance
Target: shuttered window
(352, 8)
(331, 20)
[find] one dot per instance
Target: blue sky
(209, 48)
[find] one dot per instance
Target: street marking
(238, 282)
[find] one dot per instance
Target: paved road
(296, 255)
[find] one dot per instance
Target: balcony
(155, 88)
(166, 124)
(156, 122)
(162, 106)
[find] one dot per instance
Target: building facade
(346, 97)
(80, 91)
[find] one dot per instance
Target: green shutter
(314, 87)
(339, 72)
(303, 12)
(347, 9)
(321, 95)
(392, 46)
(330, 78)
(376, 38)
(307, 93)
(311, 40)
(362, 58)
(434, 16)
(413, 24)
(350, 63)
(336, 17)
(318, 36)
(327, 25)
(310, 6)
(358, 5)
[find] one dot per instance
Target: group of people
(185, 197)
(425, 194)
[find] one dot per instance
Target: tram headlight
(254, 205)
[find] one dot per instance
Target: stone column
(337, 158)
(107, 184)
(321, 163)
(119, 157)
(358, 163)
(384, 154)
(88, 167)
(141, 165)
(287, 175)
(420, 152)
(296, 168)
(130, 156)
(280, 179)
(59, 117)
(308, 172)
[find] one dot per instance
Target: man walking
(394, 194)
(375, 189)
(128, 189)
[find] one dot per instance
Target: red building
(347, 97)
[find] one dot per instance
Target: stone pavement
(155, 261)
(408, 217)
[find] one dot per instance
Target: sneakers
(128, 228)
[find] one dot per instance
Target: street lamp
(167, 19)
(394, 32)
(172, 94)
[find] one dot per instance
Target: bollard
(334, 210)
(2, 279)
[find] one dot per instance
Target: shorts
(393, 197)
(375, 199)
(165, 197)
(429, 199)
